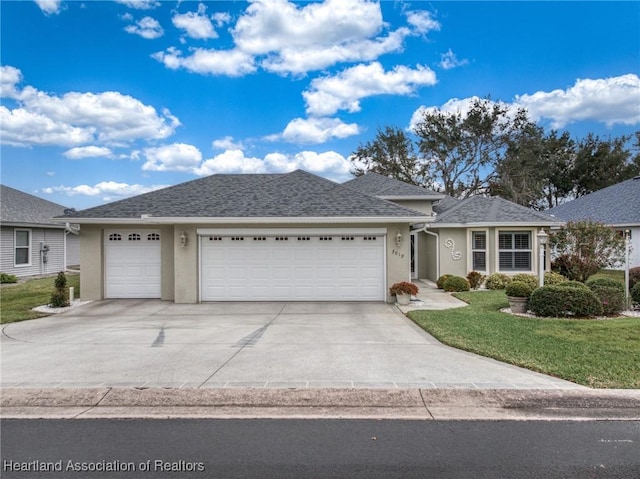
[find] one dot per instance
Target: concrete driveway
(151, 343)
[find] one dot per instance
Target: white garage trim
(292, 265)
(132, 264)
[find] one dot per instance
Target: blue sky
(103, 100)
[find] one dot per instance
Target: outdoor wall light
(183, 239)
(398, 239)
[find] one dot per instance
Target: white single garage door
(292, 267)
(132, 260)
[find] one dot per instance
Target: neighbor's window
(23, 247)
(479, 250)
(514, 250)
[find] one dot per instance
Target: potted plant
(403, 292)
(518, 293)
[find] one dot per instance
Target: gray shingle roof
(615, 205)
(445, 203)
(18, 207)
(296, 194)
(491, 210)
(384, 187)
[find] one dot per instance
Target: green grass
(595, 353)
(16, 300)
(610, 273)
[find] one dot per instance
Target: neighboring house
(484, 234)
(30, 242)
(617, 206)
(255, 237)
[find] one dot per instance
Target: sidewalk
(414, 404)
(430, 297)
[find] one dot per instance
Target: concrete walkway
(431, 298)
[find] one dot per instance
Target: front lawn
(16, 300)
(595, 353)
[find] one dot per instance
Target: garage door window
(115, 237)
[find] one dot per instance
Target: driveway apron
(152, 343)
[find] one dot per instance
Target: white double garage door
(260, 265)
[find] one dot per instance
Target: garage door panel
(132, 264)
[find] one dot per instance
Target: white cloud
(344, 91)
(317, 130)
(10, 77)
(449, 60)
(195, 24)
(175, 157)
(221, 18)
(226, 143)
(49, 7)
(108, 190)
(422, 21)
(74, 118)
(230, 161)
(288, 37)
(232, 63)
(80, 152)
(140, 4)
(610, 101)
(148, 28)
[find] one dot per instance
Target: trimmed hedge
(475, 279)
(519, 289)
(497, 281)
(6, 278)
(606, 282)
(611, 297)
(560, 301)
(552, 278)
(634, 276)
(530, 279)
(635, 293)
(456, 284)
(573, 284)
(441, 280)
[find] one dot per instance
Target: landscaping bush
(572, 284)
(530, 279)
(497, 281)
(635, 293)
(552, 278)
(6, 278)
(634, 277)
(603, 281)
(442, 279)
(59, 298)
(559, 301)
(475, 279)
(519, 289)
(455, 284)
(611, 297)
(404, 288)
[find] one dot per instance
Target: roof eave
(410, 197)
(251, 220)
(486, 224)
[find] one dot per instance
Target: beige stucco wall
(462, 245)
(423, 206)
(180, 265)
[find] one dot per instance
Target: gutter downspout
(424, 229)
(68, 229)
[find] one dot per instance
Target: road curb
(419, 404)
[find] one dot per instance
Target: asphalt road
(320, 449)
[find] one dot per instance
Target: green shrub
(59, 298)
(611, 297)
(497, 281)
(635, 293)
(572, 284)
(519, 289)
(559, 301)
(455, 284)
(6, 278)
(634, 276)
(606, 282)
(552, 278)
(530, 279)
(475, 279)
(441, 280)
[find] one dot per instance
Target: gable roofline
(21, 209)
(387, 188)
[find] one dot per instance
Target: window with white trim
(514, 251)
(479, 250)
(22, 244)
